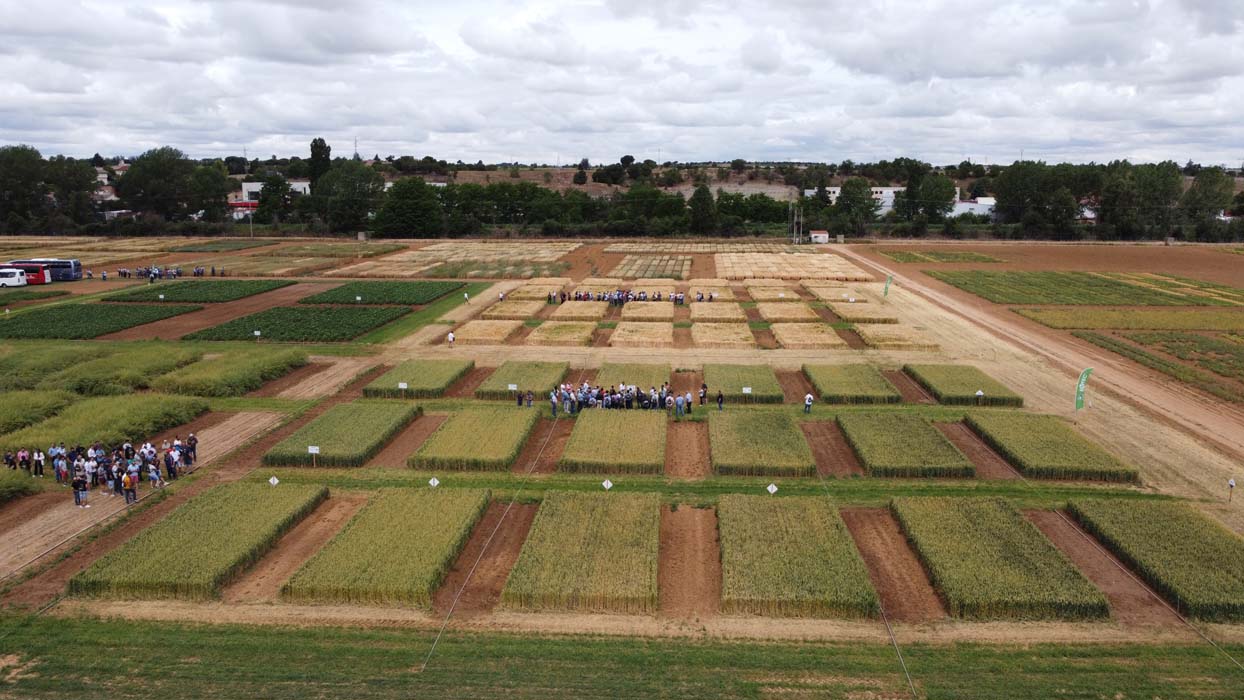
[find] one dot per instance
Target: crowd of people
(619, 297)
(155, 272)
(572, 399)
(118, 471)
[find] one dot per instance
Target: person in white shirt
(807, 403)
(451, 339)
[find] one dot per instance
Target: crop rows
(1139, 319)
(336, 250)
(1220, 356)
(347, 434)
(758, 443)
(309, 323)
(81, 321)
(617, 442)
(477, 438)
(1071, 288)
(198, 291)
(24, 370)
(537, 377)
(1188, 375)
(406, 293)
(121, 372)
(957, 385)
(14, 296)
(790, 557)
(108, 419)
(1044, 447)
(938, 256)
(231, 374)
(903, 445)
(731, 379)
(19, 409)
(423, 379)
(851, 384)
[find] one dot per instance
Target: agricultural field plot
(563, 333)
(722, 335)
(19, 409)
(894, 337)
(580, 311)
(93, 259)
(1204, 381)
(1218, 355)
(1044, 447)
(406, 293)
(24, 370)
(197, 291)
(641, 376)
(540, 289)
(778, 312)
(731, 380)
(758, 443)
(227, 245)
(989, 562)
(790, 557)
(717, 288)
(958, 385)
(1216, 294)
(387, 267)
(16, 296)
(1139, 319)
(862, 313)
(790, 266)
(82, 321)
(369, 563)
(304, 323)
(485, 332)
(202, 545)
(648, 311)
(1088, 288)
(807, 336)
(477, 438)
(1191, 560)
(938, 256)
(698, 248)
(340, 249)
(642, 334)
(616, 442)
(145, 244)
(423, 379)
(122, 372)
(231, 374)
(589, 552)
(717, 312)
(513, 310)
(903, 445)
(639, 266)
(262, 265)
(771, 294)
(537, 377)
(851, 384)
(347, 435)
(824, 292)
(490, 251)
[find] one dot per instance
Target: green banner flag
(888, 280)
(1084, 377)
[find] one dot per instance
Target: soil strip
(483, 590)
(557, 432)
(989, 464)
(689, 562)
(830, 449)
(909, 388)
(281, 384)
(896, 573)
(853, 339)
(765, 339)
(328, 382)
(393, 455)
(795, 385)
(215, 314)
(686, 450)
(682, 382)
(465, 388)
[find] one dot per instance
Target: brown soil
(263, 582)
(279, 385)
(612, 313)
(686, 451)
(484, 563)
(590, 261)
(586, 375)
(765, 339)
(216, 314)
(740, 293)
(339, 372)
(682, 312)
(196, 426)
(795, 385)
(854, 341)
(753, 314)
(546, 444)
(834, 456)
(682, 338)
(519, 337)
(908, 388)
(896, 573)
(703, 266)
(600, 337)
(682, 382)
(394, 454)
(827, 315)
(989, 464)
(1131, 602)
(465, 387)
(689, 562)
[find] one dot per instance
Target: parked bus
(36, 273)
(62, 269)
(12, 277)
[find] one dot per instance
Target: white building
(250, 190)
(980, 205)
(884, 195)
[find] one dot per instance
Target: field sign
(747, 390)
(358, 298)
(434, 482)
(772, 489)
(513, 387)
(257, 334)
(313, 449)
(1080, 385)
(161, 297)
(403, 385)
(274, 481)
(888, 280)
(607, 484)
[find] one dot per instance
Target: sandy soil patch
(689, 563)
(686, 450)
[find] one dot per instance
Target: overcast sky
(494, 80)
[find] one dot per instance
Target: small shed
(819, 236)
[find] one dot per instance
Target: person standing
(129, 485)
(678, 403)
(689, 402)
(39, 459)
(530, 396)
(79, 490)
(553, 402)
(519, 394)
(721, 400)
(192, 450)
(703, 393)
(807, 403)
(450, 338)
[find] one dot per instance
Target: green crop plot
(306, 323)
(19, 409)
(851, 384)
(129, 369)
(110, 420)
(477, 438)
(731, 380)
(24, 370)
(335, 250)
(1139, 319)
(231, 374)
(1191, 376)
(938, 256)
(347, 435)
(537, 377)
(957, 385)
(408, 293)
(1044, 447)
(758, 443)
(80, 321)
(903, 445)
(14, 296)
(617, 442)
(1218, 355)
(198, 291)
(1071, 288)
(423, 379)
(222, 246)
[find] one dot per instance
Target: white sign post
(313, 450)
(771, 488)
(274, 481)
(161, 297)
(607, 484)
(513, 387)
(747, 390)
(257, 334)
(403, 386)
(1230, 489)
(980, 397)
(434, 482)
(358, 298)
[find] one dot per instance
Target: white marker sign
(607, 484)
(513, 387)
(161, 297)
(313, 449)
(274, 481)
(403, 385)
(772, 489)
(257, 334)
(358, 298)
(747, 390)
(434, 482)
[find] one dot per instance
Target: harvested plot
(486, 332)
(1139, 319)
(423, 379)
(80, 321)
(1193, 561)
(589, 552)
(616, 442)
(1044, 447)
(19, 409)
(807, 336)
(862, 313)
(568, 333)
(903, 445)
(580, 311)
(537, 377)
(231, 374)
(304, 323)
(198, 291)
(778, 312)
(990, 562)
(513, 310)
(369, 563)
(958, 385)
(717, 312)
(744, 383)
(851, 384)
(758, 443)
(787, 266)
(405, 293)
(221, 246)
(347, 435)
(826, 292)
(122, 372)
(790, 557)
(642, 334)
(722, 335)
(1085, 288)
(108, 419)
(648, 311)
(889, 337)
(772, 294)
(477, 438)
(201, 545)
(938, 256)
(339, 249)
(669, 266)
(640, 376)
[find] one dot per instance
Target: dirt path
(465, 388)
(895, 571)
(795, 385)
(689, 563)
(833, 455)
(216, 314)
(686, 451)
(330, 380)
(393, 455)
(989, 464)
(682, 382)
(275, 387)
(908, 388)
(1131, 602)
(496, 557)
(435, 332)
(263, 582)
(545, 446)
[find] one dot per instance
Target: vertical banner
(888, 280)
(1084, 377)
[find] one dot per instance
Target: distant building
(884, 196)
(979, 206)
(250, 190)
(819, 236)
(105, 193)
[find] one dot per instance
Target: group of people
(572, 399)
(119, 470)
(618, 297)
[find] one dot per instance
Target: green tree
(321, 161)
(703, 211)
(209, 191)
(738, 165)
(1209, 195)
(22, 190)
(275, 200)
(158, 181)
(71, 182)
(347, 194)
(937, 196)
(855, 206)
(1062, 213)
(580, 177)
(411, 208)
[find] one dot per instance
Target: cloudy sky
(496, 80)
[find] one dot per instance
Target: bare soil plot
(989, 464)
(465, 388)
(338, 372)
(216, 314)
(686, 450)
(851, 338)
(486, 559)
(688, 562)
(546, 444)
(795, 385)
(833, 455)
(895, 572)
(765, 338)
(264, 581)
(909, 388)
(394, 454)
(1131, 602)
(682, 382)
(683, 338)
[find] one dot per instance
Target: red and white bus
(36, 273)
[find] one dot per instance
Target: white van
(12, 277)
